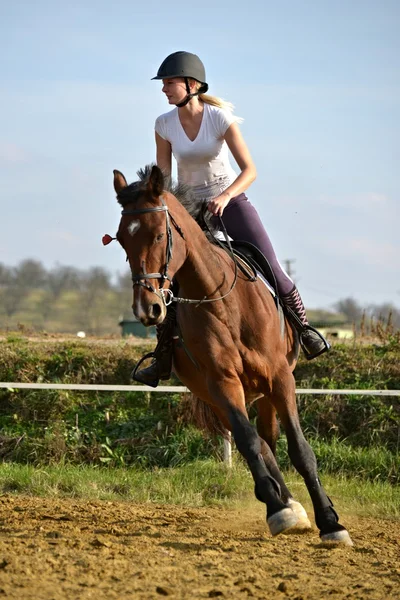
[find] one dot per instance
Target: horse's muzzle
(151, 314)
(155, 314)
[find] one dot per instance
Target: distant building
(340, 330)
(337, 333)
(135, 328)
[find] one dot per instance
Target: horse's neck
(202, 273)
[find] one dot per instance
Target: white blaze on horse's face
(139, 309)
(133, 227)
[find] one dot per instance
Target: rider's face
(175, 89)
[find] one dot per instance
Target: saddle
(256, 261)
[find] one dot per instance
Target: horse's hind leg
(267, 423)
(268, 430)
(303, 459)
(228, 397)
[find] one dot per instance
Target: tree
(30, 274)
(93, 285)
(124, 289)
(58, 280)
(385, 312)
(13, 291)
(17, 282)
(351, 309)
(5, 273)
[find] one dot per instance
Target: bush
(152, 429)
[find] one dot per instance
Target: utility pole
(288, 267)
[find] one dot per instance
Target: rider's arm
(241, 154)
(163, 154)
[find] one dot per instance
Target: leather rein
(166, 294)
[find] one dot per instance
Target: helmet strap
(189, 96)
(187, 86)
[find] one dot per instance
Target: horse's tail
(202, 416)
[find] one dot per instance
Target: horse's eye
(159, 237)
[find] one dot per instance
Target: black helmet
(183, 64)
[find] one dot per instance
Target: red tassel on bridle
(106, 239)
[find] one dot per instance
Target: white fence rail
(175, 389)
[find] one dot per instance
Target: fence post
(228, 449)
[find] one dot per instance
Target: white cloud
(382, 254)
(365, 251)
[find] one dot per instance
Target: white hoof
(282, 521)
(337, 537)
(303, 524)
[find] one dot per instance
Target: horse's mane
(182, 192)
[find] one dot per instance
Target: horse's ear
(155, 184)
(119, 181)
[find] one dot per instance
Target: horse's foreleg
(304, 461)
(229, 398)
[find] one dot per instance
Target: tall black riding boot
(161, 365)
(312, 341)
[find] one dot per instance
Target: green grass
(197, 484)
(200, 483)
(338, 457)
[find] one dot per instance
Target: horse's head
(145, 233)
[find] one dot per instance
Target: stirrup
(160, 368)
(316, 345)
(136, 369)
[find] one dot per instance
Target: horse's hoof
(341, 538)
(303, 524)
(282, 521)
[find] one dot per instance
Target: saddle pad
(265, 282)
(271, 290)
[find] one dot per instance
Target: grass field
(200, 483)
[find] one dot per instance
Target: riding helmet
(183, 64)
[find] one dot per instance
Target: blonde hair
(218, 102)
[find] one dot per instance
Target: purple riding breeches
(242, 222)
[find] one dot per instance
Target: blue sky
(318, 86)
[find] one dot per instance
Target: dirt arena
(69, 549)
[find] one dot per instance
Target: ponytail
(218, 102)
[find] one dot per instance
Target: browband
(142, 211)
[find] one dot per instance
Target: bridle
(166, 294)
(142, 280)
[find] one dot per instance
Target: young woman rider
(199, 133)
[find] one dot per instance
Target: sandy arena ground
(70, 549)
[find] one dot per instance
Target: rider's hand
(217, 205)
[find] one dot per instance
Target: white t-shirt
(204, 162)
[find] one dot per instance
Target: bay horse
(233, 351)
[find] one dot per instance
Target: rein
(166, 294)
